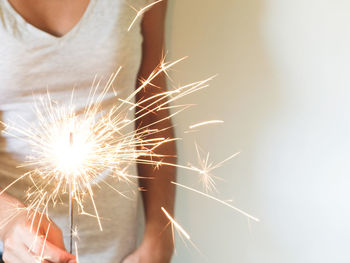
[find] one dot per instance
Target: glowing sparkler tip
(71, 139)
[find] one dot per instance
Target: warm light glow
(72, 158)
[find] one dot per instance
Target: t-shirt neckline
(32, 31)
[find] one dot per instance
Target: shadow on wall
(225, 37)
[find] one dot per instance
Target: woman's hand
(25, 242)
(152, 251)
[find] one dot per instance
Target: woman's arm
(157, 245)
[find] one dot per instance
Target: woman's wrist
(158, 240)
(11, 211)
(159, 251)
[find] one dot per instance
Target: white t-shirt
(32, 61)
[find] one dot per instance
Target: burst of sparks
(71, 148)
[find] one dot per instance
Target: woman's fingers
(19, 255)
(131, 259)
(41, 247)
(29, 257)
(24, 240)
(55, 254)
(32, 242)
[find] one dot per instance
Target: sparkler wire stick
(71, 204)
(71, 218)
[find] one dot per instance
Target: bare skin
(58, 17)
(24, 241)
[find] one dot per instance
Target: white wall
(284, 92)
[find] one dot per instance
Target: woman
(58, 45)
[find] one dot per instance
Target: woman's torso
(34, 62)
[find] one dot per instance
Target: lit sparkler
(70, 149)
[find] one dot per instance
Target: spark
(182, 232)
(176, 224)
(205, 123)
(206, 168)
(41, 257)
(76, 252)
(140, 12)
(217, 200)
